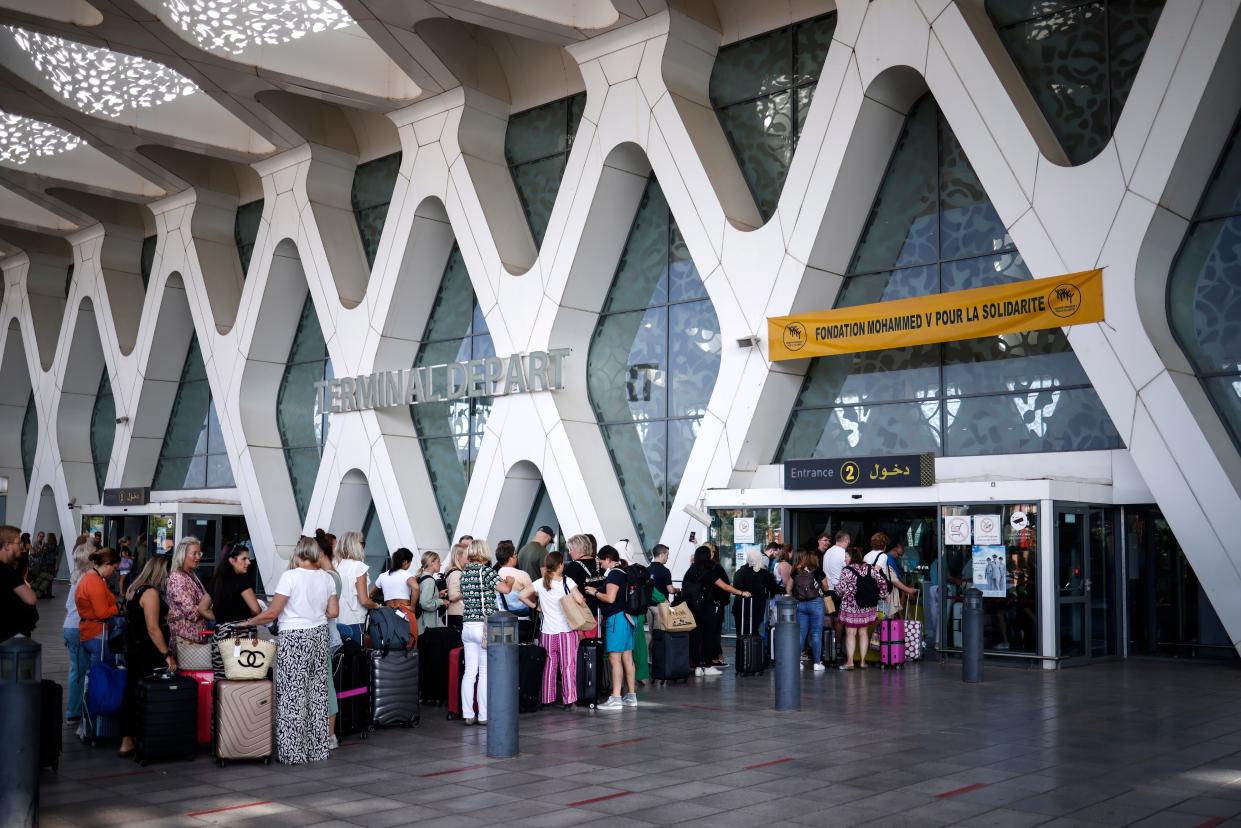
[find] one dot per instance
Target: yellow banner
(1029, 305)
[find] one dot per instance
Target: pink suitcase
(891, 632)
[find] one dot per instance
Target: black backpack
(805, 587)
(639, 590)
(417, 599)
(696, 593)
(867, 595)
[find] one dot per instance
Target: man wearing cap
(530, 558)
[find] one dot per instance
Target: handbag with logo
(247, 657)
(670, 618)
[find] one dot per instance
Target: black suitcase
(394, 688)
(351, 673)
(531, 663)
(749, 644)
(434, 645)
(594, 678)
(51, 723)
(829, 646)
(167, 718)
(670, 656)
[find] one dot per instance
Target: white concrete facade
(647, 110)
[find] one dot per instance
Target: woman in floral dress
(857, 620)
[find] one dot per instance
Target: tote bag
(578, 616)
(246, 657)
(669, 618)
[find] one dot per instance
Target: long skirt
(301, 696)
(641, 661)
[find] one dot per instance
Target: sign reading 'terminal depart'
(1028, 305)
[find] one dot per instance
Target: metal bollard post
(502, 675)
(971, 637)
(21, 672)
(788, 655)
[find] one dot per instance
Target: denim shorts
(618, 633)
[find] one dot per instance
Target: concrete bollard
(502, 674)
(788, 655)
(971, 637)
(21, 675)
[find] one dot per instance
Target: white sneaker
(711, 671)
(699, 672)
(332, 742)
(613, 703)
(630, 700)
(818, 667)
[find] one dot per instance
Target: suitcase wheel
(266, 760)
(220, 762)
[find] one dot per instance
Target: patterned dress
(851, 615)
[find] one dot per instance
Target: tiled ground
(1137, 742)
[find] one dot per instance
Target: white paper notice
(957, 530)
(743, 530)
(987, 530)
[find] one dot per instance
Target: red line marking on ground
(623, 742)
(117, 775)
(229, 808)
(454, 770)
(769, 764)
(959, 791)
(616, 795)
(1212, 822)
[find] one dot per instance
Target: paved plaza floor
(1122, 743)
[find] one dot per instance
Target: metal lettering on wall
(860, 472)
(487, 377)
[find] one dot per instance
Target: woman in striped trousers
(557, 638)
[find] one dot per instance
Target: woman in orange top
(95, 601)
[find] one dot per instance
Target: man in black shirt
(661, 577)
(618, 629)
(17, 600)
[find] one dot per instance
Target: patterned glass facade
(375, 542)
(450, 433)
(102, 430)
(653, 362)
(761, 89)
(147, 261)
(932, 229)
(536, 146)
(1079, 59)
(373, 183)
(300, 417)
(246, 230)
(193, 455)
(1204, 293)
(30, 437)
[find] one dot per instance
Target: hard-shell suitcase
(531, 662)
(394, 688)
(245, 719)
(456, 674)
(205, 679)
(829, 646)
(167, 718)
(51, 723)
(351, 673)
(594, 679)
(670, 656)
(434, 645)
(891, 633)
(749, 644)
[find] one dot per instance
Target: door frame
(1082, 512)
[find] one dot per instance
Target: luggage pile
(378, 686)
(241, 717)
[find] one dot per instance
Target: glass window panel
(761, 134)
(187, 427)
(102, 429)
(1205, 295)
(1130, 24)
(215, 437)
(681, 437)
(872, 376)
(308, 344)
(195, 473)
(376, 552)
(888, 285)
(1004, 12)
(295, 405)
(1011, 362)
(303, 466)
(194, 368)
(694, 339)
(448, 478)
(478, 319)
(861, 430)
(29, 437)
(219, 472)
(1226, 393)
(804, 95)
(245, 231)
(453, 308)
(626, 367)
(684, 281)
(812, 39)
(146, 262)
(642, 275)
(639, 453)
(577, 105)
(479, 414)
(903, 226)
(1224, 193)
(1044, 420)
(536, 133)
(374, 181)
(968, 223)
(537, 183)
(983, 271)
(482, 346)
(757, 66)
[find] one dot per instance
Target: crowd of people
(176, 621)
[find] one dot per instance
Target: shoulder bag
(577, 616)
(246, 657)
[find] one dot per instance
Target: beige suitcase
(244, 720)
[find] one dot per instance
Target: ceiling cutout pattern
(99, 81)
(233, 27)
(23, 138)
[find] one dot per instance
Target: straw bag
(247, 657)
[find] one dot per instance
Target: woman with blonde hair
(79, 659)
(457, 561)
(430, 600)
(584, 570)
(189, 607)
(355, 598)
(304, 602)
(147, 640)
(479, 585)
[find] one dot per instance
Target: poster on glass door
(990, 575)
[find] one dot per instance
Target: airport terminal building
(470, 267)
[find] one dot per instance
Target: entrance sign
(893, 471)
(133, 496)
(487, 377)
(1028, 305)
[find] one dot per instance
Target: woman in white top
(304, 602)
(556, 637)
(355, 595)
(397, 584)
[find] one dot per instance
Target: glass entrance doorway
(1087, 605)
(213, 532)
(915, 526)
